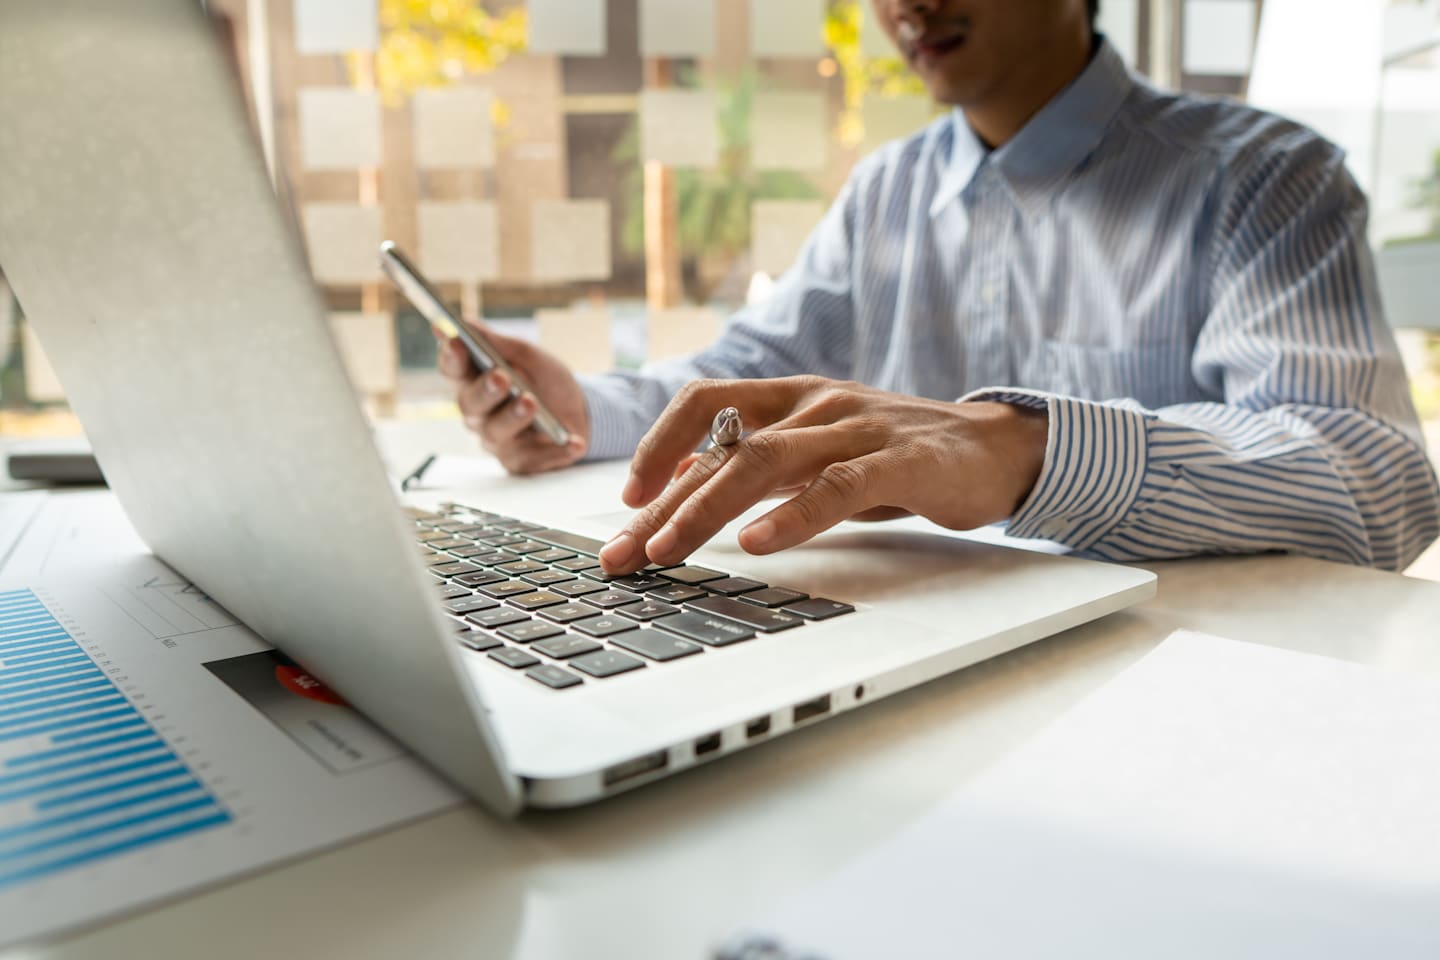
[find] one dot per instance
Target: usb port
(811, 709)
(707, 744)
(640, 766)
(757, 728)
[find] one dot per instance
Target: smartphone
(484, 355)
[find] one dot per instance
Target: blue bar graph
(83, 775)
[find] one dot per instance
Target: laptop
(145, 242)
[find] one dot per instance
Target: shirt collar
(1051, 144)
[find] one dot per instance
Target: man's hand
(850, 451)
(504, 424)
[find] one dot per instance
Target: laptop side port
(757, 728)
(811, 709)
(637, 767)
(707, 744)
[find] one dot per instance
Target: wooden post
(662, 220)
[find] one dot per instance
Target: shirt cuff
(615, 430)
(1095, 462)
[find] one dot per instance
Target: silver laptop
(145, 243)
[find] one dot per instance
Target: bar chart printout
(84, 776)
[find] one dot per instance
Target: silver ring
(726, 428)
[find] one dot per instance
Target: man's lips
(933, 45)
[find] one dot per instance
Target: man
(1158, 313)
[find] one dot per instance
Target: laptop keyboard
(532, 599)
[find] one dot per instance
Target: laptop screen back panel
(145, 244)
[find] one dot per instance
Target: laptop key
(603, 626)
(552, 555)
(610, 598)
(506, 588)
(774, 597)
(656, 645)
(438, 559)
(578, 563)
(578, 588)
(567, 613)
(536, 600)
(530, 631)
(646, 610)
(734, 586)
(546, 578)
(564, 647)
(818, 608)
(552, 676)
(449, 544)
(467, 551)
(498, 617)
(675, 593)
(514, 657)
(526, 546)
(454, 568)
(479, 579)
(761, 618)
(605, 663)
(709, 630)
(476, 640)
(517, 567)
(692, 575)
(500, 539)
(471, 604)
(515, 526)
(639, 582)
(568, 540)
(491, 558)
(448, 591)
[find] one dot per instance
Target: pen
(414, 476)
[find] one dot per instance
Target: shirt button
(988, 294)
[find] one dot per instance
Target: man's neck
(1030, 86)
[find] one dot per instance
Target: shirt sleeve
(1315, 448)
(803, 327)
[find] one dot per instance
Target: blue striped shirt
(1182, 282)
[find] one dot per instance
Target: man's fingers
(502, 425)
(534, 453)
(626, 552)
(686, 422)
(719, 486)
(481, 398)
(762, 463)
(453, 360)
(838, 492)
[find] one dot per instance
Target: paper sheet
(1218, 799)
(677, 28)
(339, 128)
(787, 28)
(453, 128)
(458, 240)
(150, 745)
(570, 240)
(342, 239)
(336, 26)
(570, 27)
(677, 128)
(788, 131)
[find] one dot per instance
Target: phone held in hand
(418, 291)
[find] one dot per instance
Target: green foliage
(432, 43)
(1426, 194)
(713, 205)
(863, 76)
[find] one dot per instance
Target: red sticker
(300, 683)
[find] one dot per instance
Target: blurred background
(613, 177)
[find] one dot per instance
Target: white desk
(661, 871)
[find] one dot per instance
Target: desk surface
(663, 871)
